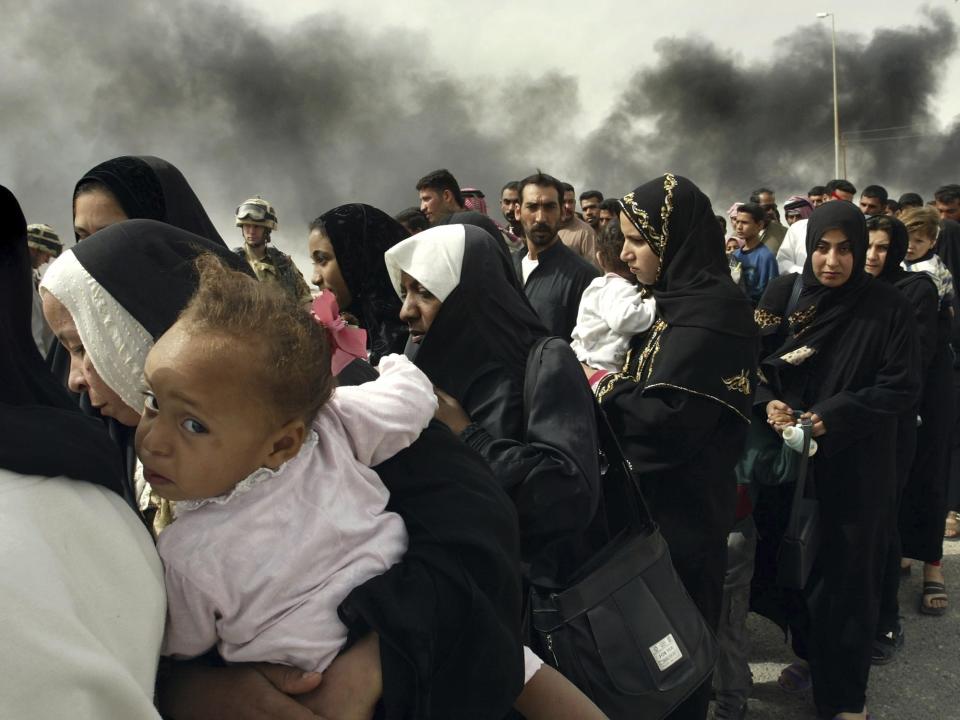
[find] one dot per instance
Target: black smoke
(324, 113)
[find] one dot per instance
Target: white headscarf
(116, 343)
(433, 257)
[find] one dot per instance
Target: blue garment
(758, 267)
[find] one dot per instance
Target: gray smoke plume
(323, 113)
(732, 126)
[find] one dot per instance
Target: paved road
(922, 683)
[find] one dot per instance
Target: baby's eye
(150, 402)
(192, 426)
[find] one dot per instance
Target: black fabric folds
(151, 188)
(44, 431)
(360, 235)
(148, 267)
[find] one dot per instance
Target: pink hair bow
(346, 342)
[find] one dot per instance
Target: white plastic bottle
(793, 439)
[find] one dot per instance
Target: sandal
(952, 529)
(933, 591)
(795, 678)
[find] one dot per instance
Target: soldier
(256, 218)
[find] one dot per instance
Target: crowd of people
(229, 495)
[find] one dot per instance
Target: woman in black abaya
(447, 616)
(474, 331)
(850, 362)
(681, 404)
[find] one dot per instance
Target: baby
(923, 224)
(278, 514)
(612, 309)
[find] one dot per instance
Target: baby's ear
(285, 443)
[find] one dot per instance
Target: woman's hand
(450, 412)
(352, 684)
(818, 426)
(190, 691)
(779, 415)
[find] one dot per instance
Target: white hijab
(434, 258)
(116, 343)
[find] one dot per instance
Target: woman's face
(94, 210)
(919, 245)
(637, 253)
(420, 307)
(83, 376)
(832, 259)
(326, 271)
(732, 245)
(877, 252)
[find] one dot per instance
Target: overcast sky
(245, 98)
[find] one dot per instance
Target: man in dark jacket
(553, 276)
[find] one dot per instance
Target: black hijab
(693, 286)
(893, 271)
(484, 323)
(153, 189)
(148, 267)
(44, 431)
(821, 311)
(360, 235)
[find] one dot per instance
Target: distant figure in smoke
(609, 210)
(574, 232)
(873, 200)
(909, 200)
(793, 251)
(256, 219)
(590, 207)
(44, 245)
(796, 208)
(817, 195)
(412, 220)
(892, 207)
(440, 196)
(773, 232)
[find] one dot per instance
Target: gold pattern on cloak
(642, 367)
(738, 383)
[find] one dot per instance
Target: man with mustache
(553, 276)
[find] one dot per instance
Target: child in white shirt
(612, 308)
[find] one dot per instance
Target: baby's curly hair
(609, 245)
(295, 371)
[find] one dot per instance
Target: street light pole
(836, 104)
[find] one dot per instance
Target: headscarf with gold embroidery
(693, 287)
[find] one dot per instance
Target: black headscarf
(483, 323)
(148, 267)
(821, 311)
(693, 286)
(44, 431)
(151, 188)
(893, 272)
(360, 235)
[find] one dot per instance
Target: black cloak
(44, 431)
(360, 235)
(545, 456)
(851, 357)
(681, 404)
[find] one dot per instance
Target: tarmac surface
(921, 683)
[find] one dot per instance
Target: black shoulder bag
(800, 543)
(624, 631)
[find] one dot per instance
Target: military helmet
(43, 238)
(257, 211)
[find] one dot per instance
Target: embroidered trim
(641, 219)
(766, 319)
(248, 483)
(801, 319)
(644, 363)
(738, 383)
(699, 394)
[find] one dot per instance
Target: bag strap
(793, 526)
(534, 361)
(791, 304)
